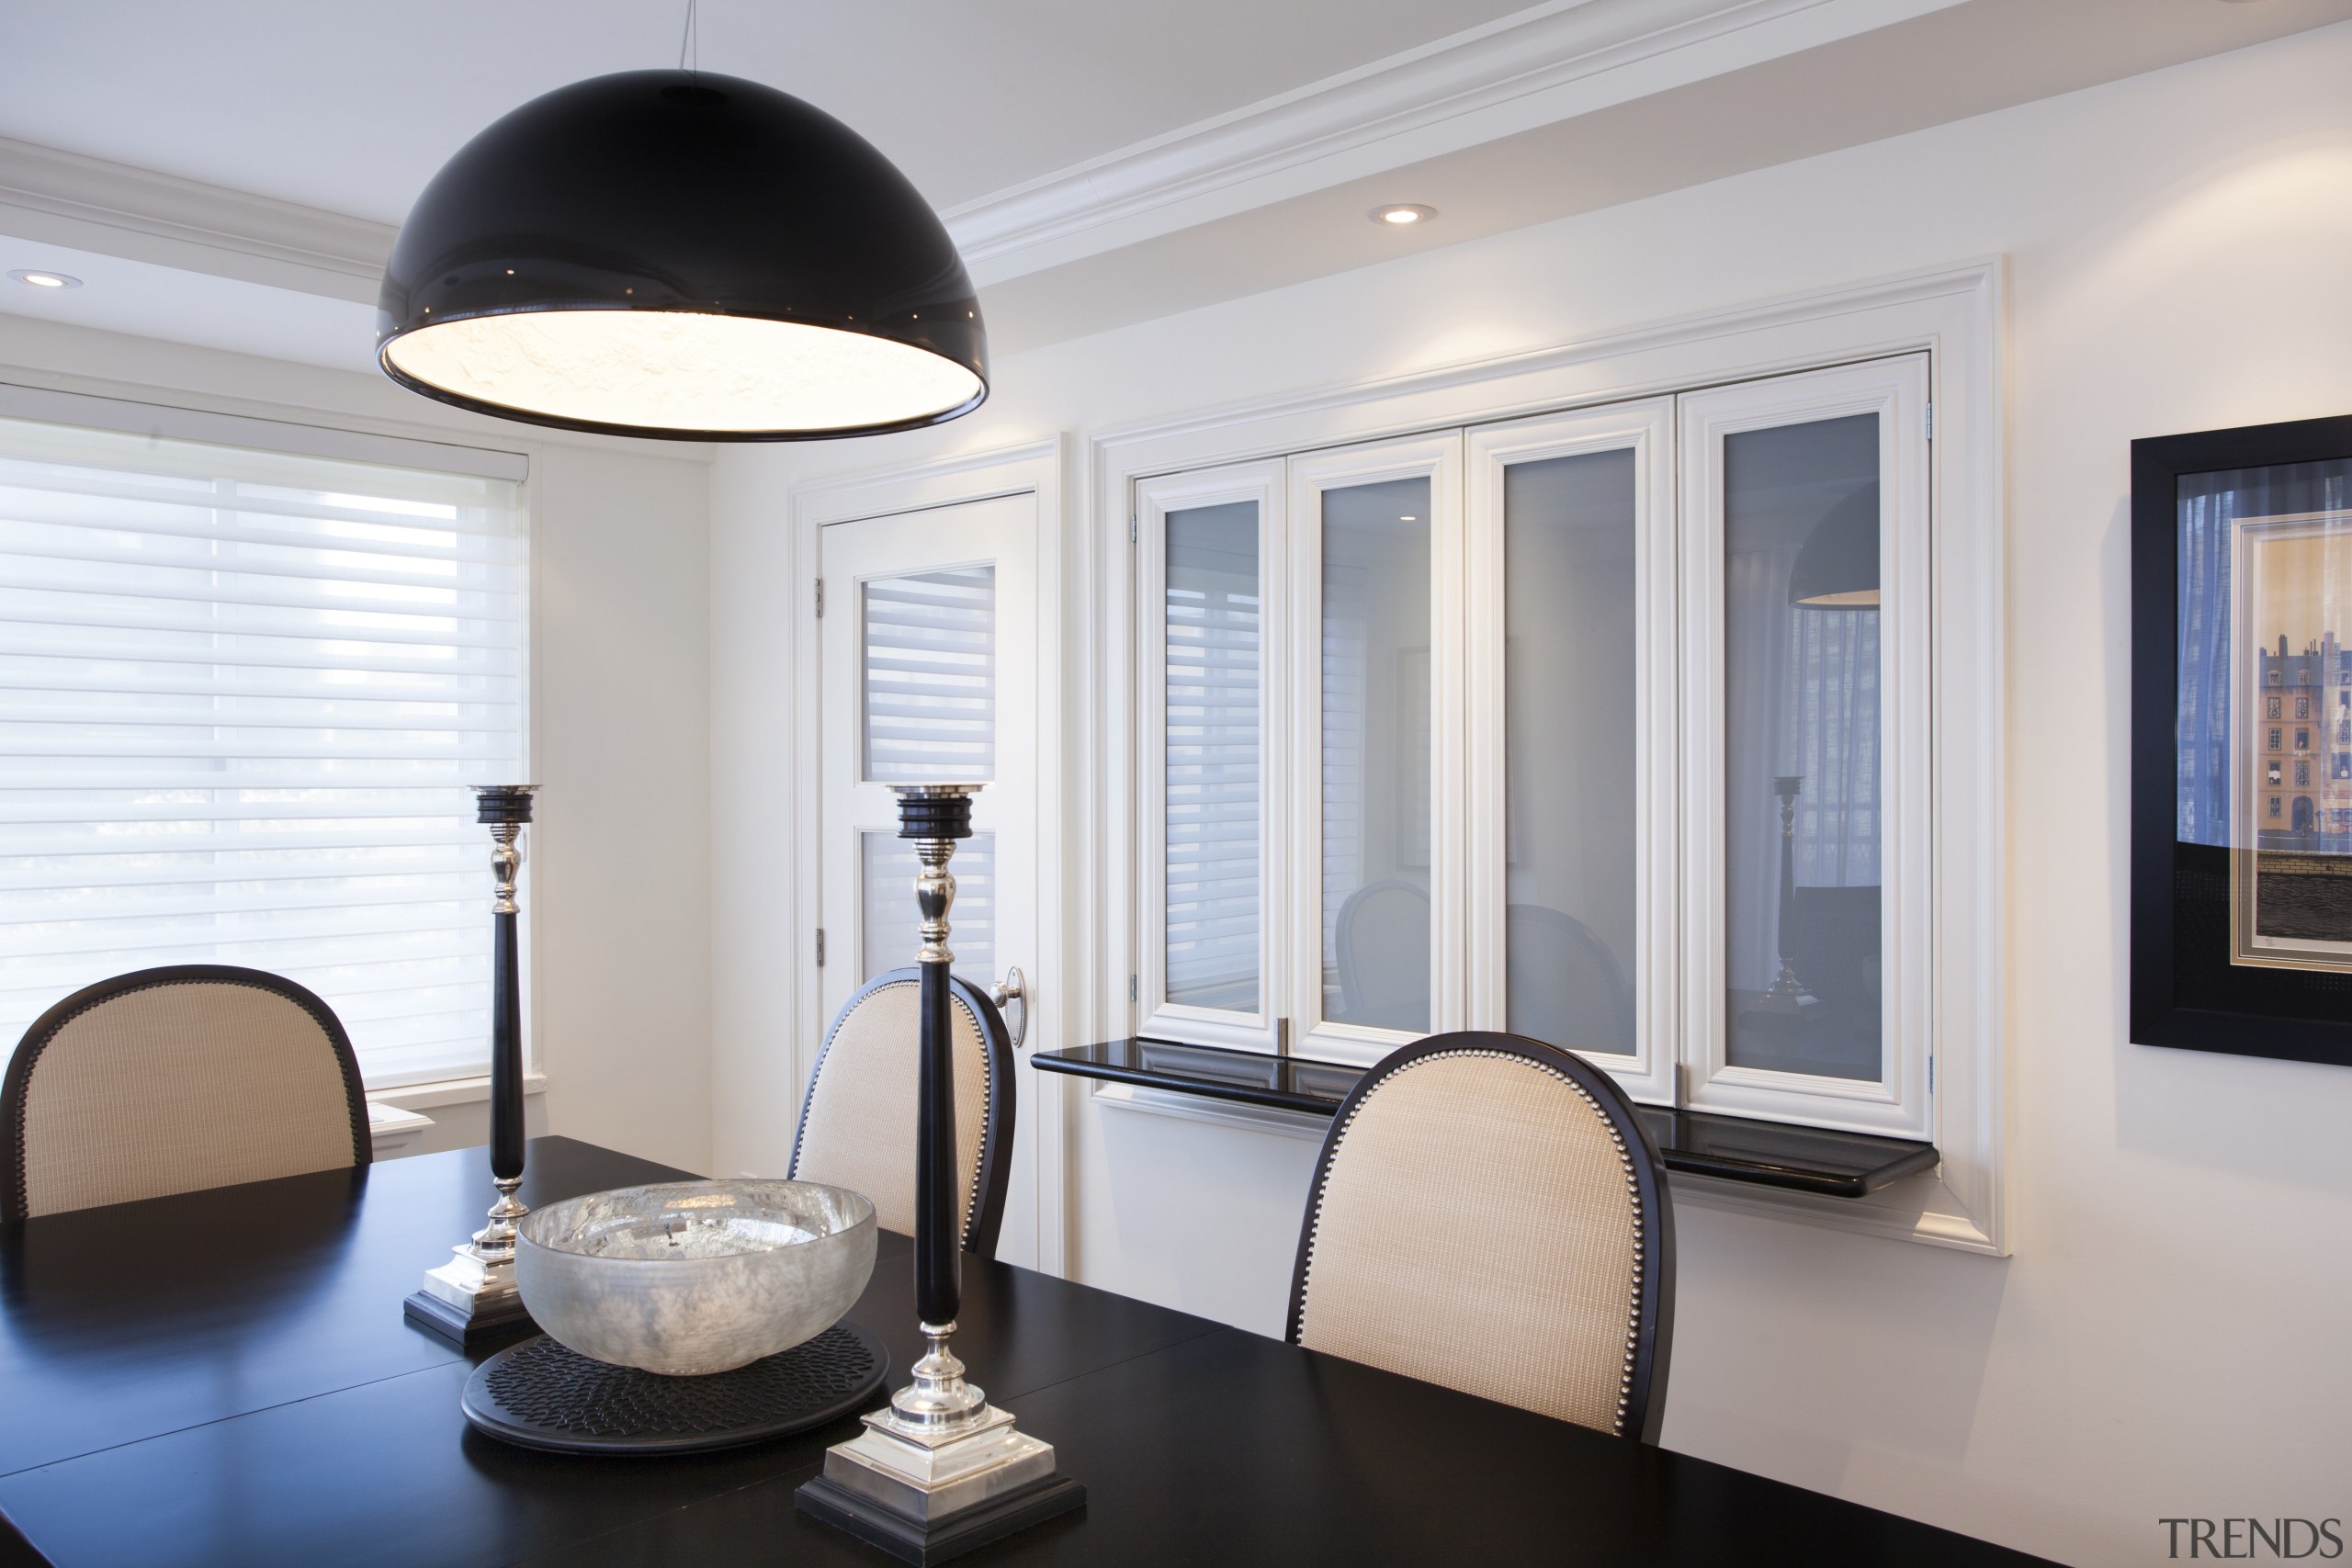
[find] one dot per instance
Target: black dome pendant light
(682, 254)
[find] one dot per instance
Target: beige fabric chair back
(1490, 1214)
(858, 1122)
(172, 1079)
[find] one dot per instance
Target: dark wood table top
(225, 1377)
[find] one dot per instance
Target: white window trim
(1437, 459)
(1647, 428)
(1896, 1104)
(1953, 314)
(1262, 485)
(449, 1092)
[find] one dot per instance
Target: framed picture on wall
(2242, 741)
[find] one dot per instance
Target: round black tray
(541, 1394)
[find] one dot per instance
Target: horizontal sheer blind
(241, 694)
(1213, 783)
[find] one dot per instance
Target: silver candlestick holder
(472, 1297)
(941, 1471)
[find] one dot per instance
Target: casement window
(1611, 727)
(245, 692)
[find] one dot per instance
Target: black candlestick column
(473, 1294)
(505, 809)
(935, 822)
(934, 817)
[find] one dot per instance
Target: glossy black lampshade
(683, 254)
(1837, 567)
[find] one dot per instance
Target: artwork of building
(2302, 754)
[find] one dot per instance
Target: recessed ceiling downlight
(1401, 214)
(41, 278)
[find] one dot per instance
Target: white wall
(617, 884)
(2168, 1337)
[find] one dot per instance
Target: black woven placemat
(542, 1395)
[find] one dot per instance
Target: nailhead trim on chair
(1632, 1186)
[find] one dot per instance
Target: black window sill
(1734, 1148)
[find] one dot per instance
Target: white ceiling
(351, 104)
(231, 174)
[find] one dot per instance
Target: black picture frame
(2185, 992)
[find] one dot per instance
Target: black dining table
(226, 1377)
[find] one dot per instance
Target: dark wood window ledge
(1736, 1148)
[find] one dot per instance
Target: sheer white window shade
(241, 694)
(931, 677)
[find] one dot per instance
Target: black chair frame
(13, 1203)
(1654, 1310)
(996, 1136)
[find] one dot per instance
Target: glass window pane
(1376, 745)
(1569, 599)
(1801, 790)
(931, 677)
(893, 932)
(1213, 783)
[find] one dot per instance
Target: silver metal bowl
(695, 1277)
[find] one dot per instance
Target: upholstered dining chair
(857, 1122)
(167, 1081)
(1489, 1213)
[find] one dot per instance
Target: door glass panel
(1376, 751)
(893, 930)
(1569, 599)
(1803, 823)
(1214, 802)
(929, 677)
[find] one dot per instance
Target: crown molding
(67, 199)
(1549, 63)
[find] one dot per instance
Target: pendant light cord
(690, 36)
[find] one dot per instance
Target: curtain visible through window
(1831, 711)
(244, 694)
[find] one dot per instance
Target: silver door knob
(1011, 990)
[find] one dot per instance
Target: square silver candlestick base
(472, 1299)
(468, 1302)
(940, 1471)
(924, 1498)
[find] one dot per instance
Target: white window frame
(1895, 390)
(1953, 314)
(1265, 486)
(1437, 459)
(1646, 428)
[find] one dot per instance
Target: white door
(928, 671)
